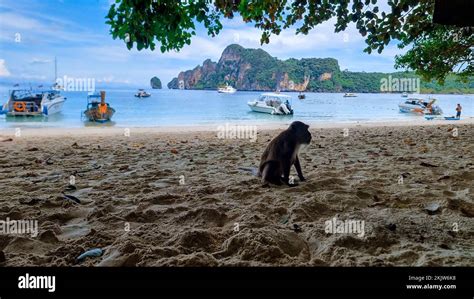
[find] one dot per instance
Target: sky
(33, 33)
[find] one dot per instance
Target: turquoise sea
(201, 107)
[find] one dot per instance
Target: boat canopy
(21, 94)
(93, 96)
(273, 97)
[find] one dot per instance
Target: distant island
(155, 83)
(256, 70)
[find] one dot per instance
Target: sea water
(208, 107)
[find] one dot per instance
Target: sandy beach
(175, 197)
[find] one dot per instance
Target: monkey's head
(300, 131)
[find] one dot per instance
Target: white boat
(420, 106)
(350, 95)
(272, 103)
(226, 89)
(404, 95)
(142, 94)
(29, 102)
(33, 103)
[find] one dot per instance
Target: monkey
(280, 154)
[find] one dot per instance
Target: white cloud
(43, 29)
(3, 69)
(283, 46)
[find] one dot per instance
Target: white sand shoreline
(177, 129)
(173, 199)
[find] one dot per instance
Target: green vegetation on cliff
(255, 69)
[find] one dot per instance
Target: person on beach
(458, 111)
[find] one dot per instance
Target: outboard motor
(284, 108)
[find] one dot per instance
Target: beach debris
(96, 166)
(29, 175)
(377, 203)
(409, 141)
(284, 219)
(391, 226)
(32, 149)
(7, 140)
(428, 164)
(444, 177)
(424, 149)
(73, 198)
(432, 208)
(75, 145)
(70, 187)
(174, 151)
(444, 246)
(123, 167)
(297, 228)
(95, 252)
(46, 161)
(405, 174)
(30, 201)
(371, 153)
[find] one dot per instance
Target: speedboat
(420, 106)
(272, 103)
(350, 95)
(142, 94)
(98, 111)
(404, 95)
(28, 102)
(301, 96)
(226, 89)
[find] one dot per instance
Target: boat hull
(93, 115)
(226, 91)
(256, 107)
(53, 107)
(269, 110)
(46, 108)
(414, 109)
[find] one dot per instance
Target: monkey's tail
(253, 170)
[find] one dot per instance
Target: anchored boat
(350, 95)
(272, 103)
(98, 111)
(28, 102)
(142, 94)
(226, 89)
(420, 106)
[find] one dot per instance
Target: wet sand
(175, 197)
